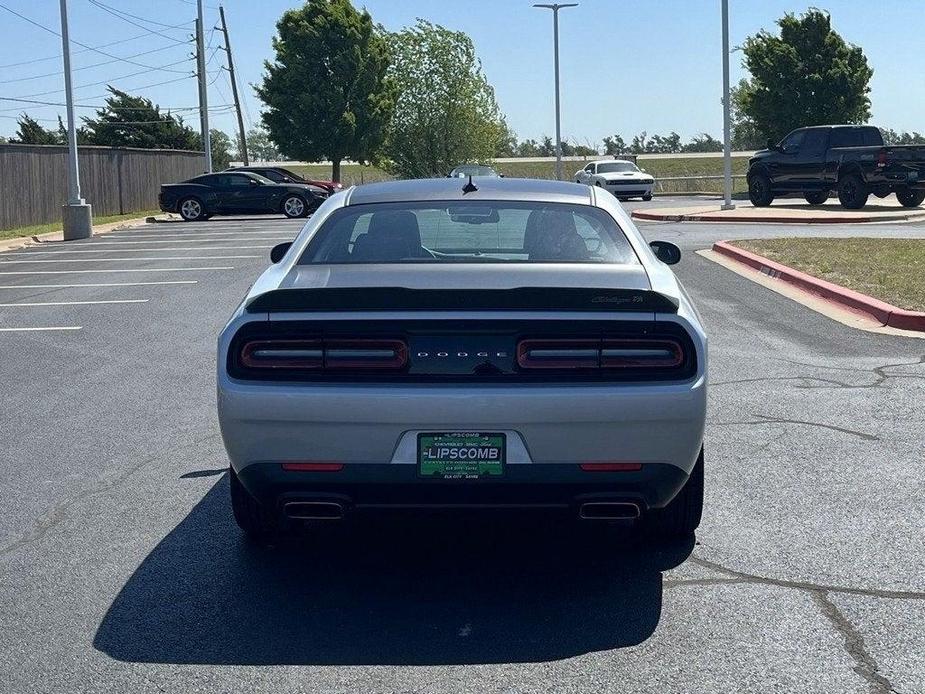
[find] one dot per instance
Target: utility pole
(234, 88)
(555, 31)
(78, 217)
(727, 135)
(203, 96)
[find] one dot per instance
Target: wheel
(192, 210)
(910, 198)
(598, 184)
(817, 197)
(294, 206)
(759, 190)
(852, 192)
(257, 522)
(681, 517)
(647, 198)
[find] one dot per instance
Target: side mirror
(667, 252)
(500, 175)
(280, 249)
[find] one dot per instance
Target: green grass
(357, 174)
(888, 269)
(37, 229)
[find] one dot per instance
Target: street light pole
(77, 218)
(203, 91)
(727, 135)
(555, 31)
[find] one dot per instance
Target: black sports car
(237, 193)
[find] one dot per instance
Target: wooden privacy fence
(33, 180)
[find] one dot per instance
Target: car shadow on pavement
(377, 591)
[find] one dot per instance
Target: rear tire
(259, 523)
(681, 517)
(759, 190)
(910, 198)
(852, 192)
(817, 197)
(647, 198)
(294, 206)
(192, 210)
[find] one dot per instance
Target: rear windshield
(456, 232)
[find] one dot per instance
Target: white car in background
(622, 178)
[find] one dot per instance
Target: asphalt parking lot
(121, 569)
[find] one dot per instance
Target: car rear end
(901, 166)
(168, 198)
(357, 386)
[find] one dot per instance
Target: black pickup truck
(848, 159)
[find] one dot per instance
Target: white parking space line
(94, 284)
(117, 260)
(74, 303)
(197, 234)
(127, 243)
(141, 269)
(31, 330)
(143, 250)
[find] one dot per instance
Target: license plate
(461, 455)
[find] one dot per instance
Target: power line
(83, 45)
(88, 67)
(124, 16)
(113, 108)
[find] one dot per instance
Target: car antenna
(470, 187)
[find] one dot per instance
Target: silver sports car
(452, 343)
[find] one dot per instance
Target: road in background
(122, 569)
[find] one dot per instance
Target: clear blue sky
(627, 65)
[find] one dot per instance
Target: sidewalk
(787, 211)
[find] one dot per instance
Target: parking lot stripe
(30, 330)
(140, 269)
(144, 250)
(95, 284)
(116, 260)
(75, 303)
(128, 243)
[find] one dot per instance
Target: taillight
(323, 355)
(611, 466)
(609, 353)
(881, 160)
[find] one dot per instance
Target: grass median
(37, 229)
(887, 269)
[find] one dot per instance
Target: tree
(891, 137)
(31, 133)
(528, 148)
(220, 144)
(809, 75)
(446, 113)
(258, 145)
(327, 94)
(507, 145)
(704, 142)
(614, 145)
(133, 121)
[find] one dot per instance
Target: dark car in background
(477, 170)
(237, 192)
(851, 160)
(278, 174)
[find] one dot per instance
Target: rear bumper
(393, 487)
(167, 205)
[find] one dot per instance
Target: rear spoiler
(515, 299)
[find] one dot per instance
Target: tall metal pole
(727, 134)
(234, 88)
(203, 95)
(77, 222)
(555, 40)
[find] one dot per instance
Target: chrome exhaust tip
(609, 510)
(313, 510)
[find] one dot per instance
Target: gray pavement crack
(879, 372)
(767, 419)
(58, 512)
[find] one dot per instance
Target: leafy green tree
(133, 121)
(547, 147)
(528, 148)
(704, 142)
(220, 144)
(614, 145)
(507, 145)
(446, 113)
(259, 146)
(809, 75)
(30, 132)
(327, 94)
(891, 137)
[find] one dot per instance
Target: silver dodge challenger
(450, 344)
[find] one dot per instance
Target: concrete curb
(885, 313)
(656, 216)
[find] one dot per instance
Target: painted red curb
(710, 217)
(885, 313)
